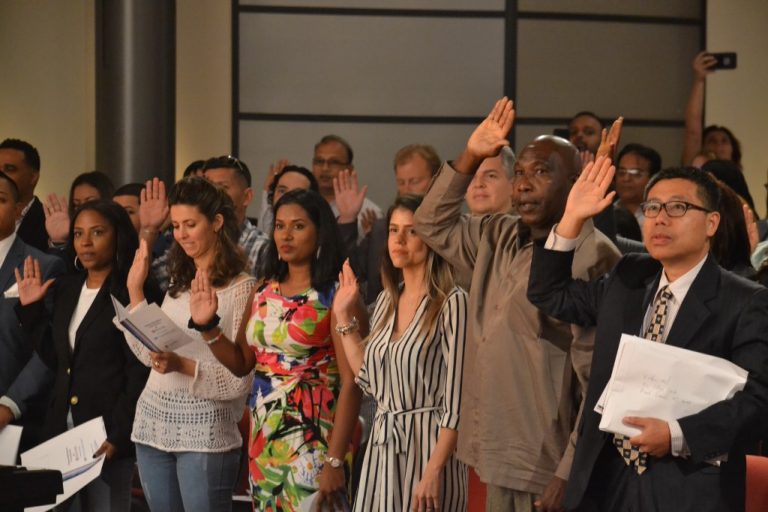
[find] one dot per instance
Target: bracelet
(215, 338)
(349, 328)
(206, 327)
(334, 462)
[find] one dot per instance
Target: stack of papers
(655, 380)
(151, 326)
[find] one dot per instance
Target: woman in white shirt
(185, 430)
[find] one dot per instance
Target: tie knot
(665, 294)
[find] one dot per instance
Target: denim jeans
(187, 481)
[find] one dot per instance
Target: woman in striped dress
(412, 365)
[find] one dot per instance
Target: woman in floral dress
(303, 390)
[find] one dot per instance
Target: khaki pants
(501, 499)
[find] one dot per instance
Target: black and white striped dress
(416, 381)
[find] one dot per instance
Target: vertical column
(136, 89)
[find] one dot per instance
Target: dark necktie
(631, 454)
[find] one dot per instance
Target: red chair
(476, 493)
(757, 483)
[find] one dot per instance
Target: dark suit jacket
(32, 227)
(23, 377)
(100, 377)
(366, 256)
(722, 315)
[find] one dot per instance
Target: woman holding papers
(304, 403)
(186, 434)
(412, 364)
(94, 372)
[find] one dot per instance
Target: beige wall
(739, 99)
(47, 88)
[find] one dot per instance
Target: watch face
(334, 462)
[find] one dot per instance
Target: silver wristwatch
(334, 462)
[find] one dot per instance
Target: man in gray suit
(20, 370)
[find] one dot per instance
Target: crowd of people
(474, 324)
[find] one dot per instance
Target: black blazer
(100, 377)
(722, 315)
(32, 227)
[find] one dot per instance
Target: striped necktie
(632, 454)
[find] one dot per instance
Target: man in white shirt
(677, 294)
(20, 370)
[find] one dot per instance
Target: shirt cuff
(4, 400)
(678, 446)
(556, 242)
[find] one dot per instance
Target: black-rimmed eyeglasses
(652, 209)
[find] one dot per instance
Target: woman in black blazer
(96, 374)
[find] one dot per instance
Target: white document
(309, 504)
(10, 437)
(72, 454)
(662, 381)
(152, 327)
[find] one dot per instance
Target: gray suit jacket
(23, 376)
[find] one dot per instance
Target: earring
(81, 267)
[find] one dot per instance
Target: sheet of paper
(10, 437)
(666, 382)
(72, 454)
(308, 504)
(152, 327)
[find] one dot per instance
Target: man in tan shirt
(525, 373)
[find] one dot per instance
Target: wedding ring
(156, 363)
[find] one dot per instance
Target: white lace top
(176, 412)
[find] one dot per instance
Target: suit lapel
(14, 258)
(694, 310)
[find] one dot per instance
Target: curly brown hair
(229, 259)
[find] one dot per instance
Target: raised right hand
(153, 206)
(31, 286)
(348, 195)
(588, 194)
(491, 135)
(347, 294)
(138, 273)
(702, 65)
(274, 170)
(56, 218)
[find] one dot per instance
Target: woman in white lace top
(185, 430)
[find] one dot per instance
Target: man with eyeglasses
(677, 294)
(637, 163)
(334, 154)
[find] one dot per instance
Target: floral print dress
(294, 395)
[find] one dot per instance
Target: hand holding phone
(724, 60)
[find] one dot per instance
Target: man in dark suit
(676, 295)
(21, 162)
(21, 372)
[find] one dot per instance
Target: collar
(683, 283)
(5, 247)
(24, 211)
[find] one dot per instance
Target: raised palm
(30, 283)
(153, 209)
(203, 302)
(56, 218)
(588, 194)
(348, 292)
(348, 195)
(491, 135)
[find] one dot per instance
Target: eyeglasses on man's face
(331, 163)
(630, 173)
(652, 209)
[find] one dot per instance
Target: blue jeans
(191, 481)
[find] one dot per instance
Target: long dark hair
(313, 185)
(735, 144)
(126, 240)
(95, 179)
(228, 259)
(326, 265)
(730, 245)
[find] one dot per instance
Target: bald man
(524, 372)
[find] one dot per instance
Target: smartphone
(725, 60)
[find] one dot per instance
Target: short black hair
(313, 185)
(229, 162)
(706, 186)
(650, 154)
(129, 189)
(335, 138)
(588, 113)
(13, 185)
(326, 265)
(192, 168)
(95, 179)
(31, 156)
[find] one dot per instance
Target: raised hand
(347, 294)
(31, 285)
(153, 206)
(609, 139)
(138, 272)
(368, 220)
(587, 197)
(491, 135)
(56, 218)
(349, 196)
(586, 157)
(702, 65)
(274, 170)
(203, 302)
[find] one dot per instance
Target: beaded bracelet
(349, 328)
